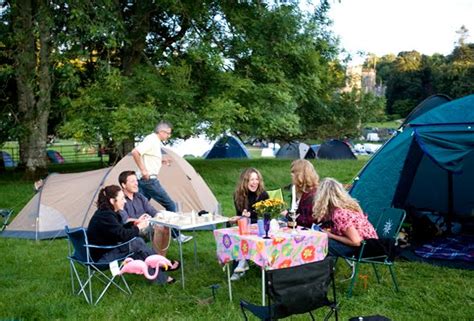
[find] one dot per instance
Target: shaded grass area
(35, 281)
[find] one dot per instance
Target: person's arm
(112, 229)
(138, 160)
(125, 217)
(351, 237)
(148, 209)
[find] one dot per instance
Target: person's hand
(145, 175)
(245, 213)
(144, 217)
(234, 219)
(142, 225)
(284, 212)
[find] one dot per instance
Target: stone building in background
(363, 80)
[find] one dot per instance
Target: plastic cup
(243, 226)
(261, 229)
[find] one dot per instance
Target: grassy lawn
(35, 282)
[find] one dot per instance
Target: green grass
(388, 124)
(35, 281)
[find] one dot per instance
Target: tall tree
(31, 21)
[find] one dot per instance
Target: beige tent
(69, 199)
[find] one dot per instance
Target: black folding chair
(79, 255)
(296, 290)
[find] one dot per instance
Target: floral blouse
(343, 219)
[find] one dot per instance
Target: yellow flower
(273, 206)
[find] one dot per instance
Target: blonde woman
(305, 179)
(349, 224)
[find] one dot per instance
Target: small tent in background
(335, 149)
(7, 160)
(295, 150)
(55, 157)
(228, 147)
(69, 199)
(427, 168)
(271, 150)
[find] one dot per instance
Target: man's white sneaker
(183, 238)
(241, 267)
(237, 276)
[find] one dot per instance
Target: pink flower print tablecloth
(282, 250)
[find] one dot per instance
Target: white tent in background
(271, 150)
(195, 146)
(69, 199)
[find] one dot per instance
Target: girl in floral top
(349, 224)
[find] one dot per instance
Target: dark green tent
(428, 165)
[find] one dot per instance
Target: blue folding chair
(79, 255)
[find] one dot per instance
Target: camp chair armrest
(361, 252)
(109, 246)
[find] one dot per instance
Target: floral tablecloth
(282, 250)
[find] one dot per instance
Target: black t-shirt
(252, 199)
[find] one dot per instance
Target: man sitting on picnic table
(137, 208)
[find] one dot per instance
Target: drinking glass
(217, 211)
(266, 224)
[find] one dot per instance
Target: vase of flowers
(273, 206)
(270, 209)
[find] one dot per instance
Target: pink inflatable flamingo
(137, 267)
(155, 261)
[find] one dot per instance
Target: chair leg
(352, 266)
(126, 284)
(392, 273)
(82, 286)
(376, 272)
(356, 272)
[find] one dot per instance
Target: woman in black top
(250, 189)
(106, 228)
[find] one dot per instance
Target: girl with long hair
(249, 190)
(349, 223)
(306, 180)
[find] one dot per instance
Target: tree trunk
(33, 79)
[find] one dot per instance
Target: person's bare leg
(161, 240)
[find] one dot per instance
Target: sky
(391, 26)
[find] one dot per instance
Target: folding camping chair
(276, 193)
(79, 255)
(5, 213)
(388, 225)
(296, 290)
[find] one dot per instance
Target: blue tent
(335, 149)
(427, 166)
(55, 157)
(228, 147)
(295, 150)
(7, 159)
